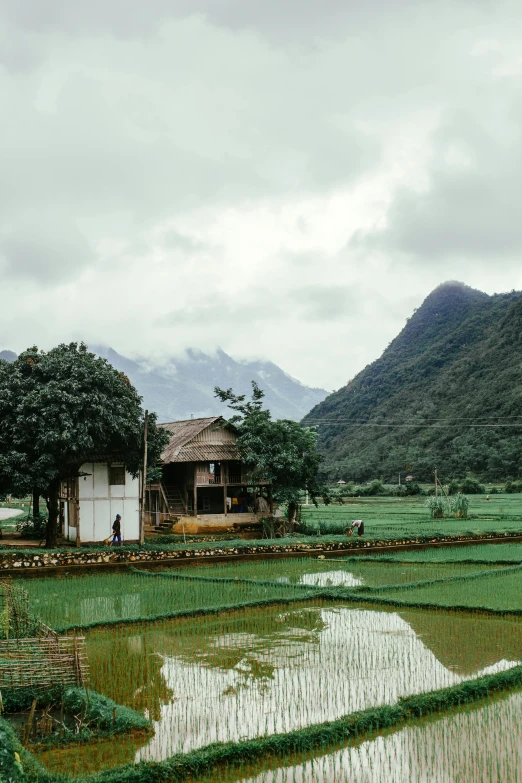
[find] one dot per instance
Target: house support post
(195, 506)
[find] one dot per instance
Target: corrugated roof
(179, 449)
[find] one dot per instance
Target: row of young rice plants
(251, 673)
(509, 553)
(473, 743)
(328, 572)
(500, 591)
(90, 599)
(320, 738)
(401, 517)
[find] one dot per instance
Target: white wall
(100, 502)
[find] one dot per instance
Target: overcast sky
(287, 179)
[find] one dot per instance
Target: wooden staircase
(174, 500)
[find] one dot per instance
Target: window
(116, 475)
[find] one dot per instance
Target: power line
(434, 425)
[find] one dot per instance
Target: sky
(285, 180)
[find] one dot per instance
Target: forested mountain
(184, 386)
(445, 394)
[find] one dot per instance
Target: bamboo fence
(33, 655)
(42, 663)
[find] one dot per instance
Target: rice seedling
(470, 744)
(499, 591)
(258, 673)
(81, 601)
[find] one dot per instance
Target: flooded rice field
(475, 745)
(250, 673)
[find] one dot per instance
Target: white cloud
(278, 181)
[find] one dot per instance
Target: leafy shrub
(470, 486)
(437, 506)
(32, 527)
(459, 506)
(493, 491)
(513, 486)
(453, 487)
(10, 749)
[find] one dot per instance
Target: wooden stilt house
(204, 483)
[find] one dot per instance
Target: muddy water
(478, 745)
(247, 674)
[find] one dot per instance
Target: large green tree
(281, 452)
(59, 409)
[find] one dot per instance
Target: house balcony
(210, 479)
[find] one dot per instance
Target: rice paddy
(475, 744)
(252, 674)
(254, 651)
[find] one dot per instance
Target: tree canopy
(280, 452)
(61, 408)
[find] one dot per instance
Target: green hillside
(445, 394)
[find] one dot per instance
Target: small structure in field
(341, 482)
(408, 478)
(91, 498)
(203, 478)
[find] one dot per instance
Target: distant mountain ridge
(184, 386)
(436, 397)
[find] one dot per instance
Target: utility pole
(436, 484)
(144, 479)
(399, 479)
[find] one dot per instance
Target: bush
(471, 486)
(513, 486)
(453, 487)
(32, 528)
(437, 506)
(493, 491)
(459, 506)
(10, 750)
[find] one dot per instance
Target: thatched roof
(183, 447)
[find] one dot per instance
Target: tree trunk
(52, 522)
(292, 509)
(36, 503)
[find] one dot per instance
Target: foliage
(11, 769)
(437, 506)
(470, 486)
(280, 452)
(456, 363)
(32, 528)
(57, 410)
(154, 474)
(459, 505)
(513, 487)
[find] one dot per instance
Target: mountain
(445, 394)
(184, 386)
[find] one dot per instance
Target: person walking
(116, 529)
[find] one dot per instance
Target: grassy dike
(209, 759)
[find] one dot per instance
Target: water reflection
(250, 673)
(461, 747)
